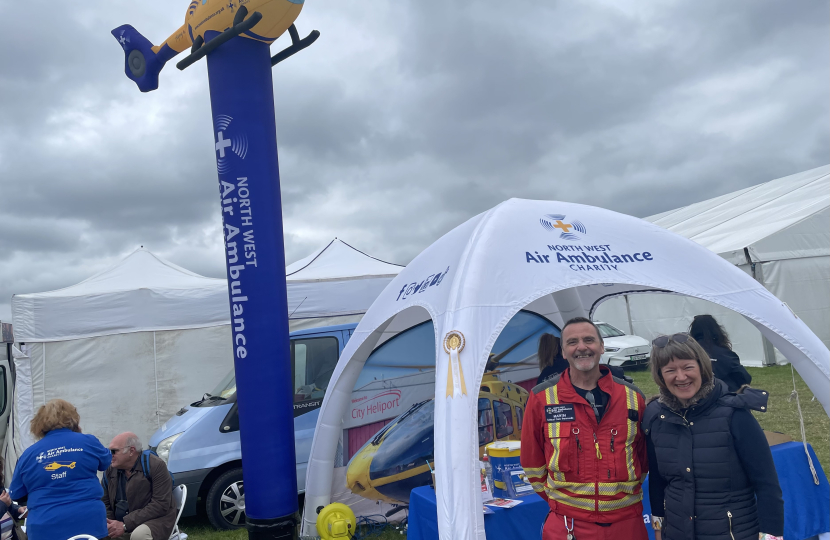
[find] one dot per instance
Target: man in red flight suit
(582, 447)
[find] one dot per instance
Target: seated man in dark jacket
(138, 502)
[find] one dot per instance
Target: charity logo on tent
(556, 222)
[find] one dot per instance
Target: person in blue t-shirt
(59, 475)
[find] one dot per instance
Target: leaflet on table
(504, 503)
(486, 489)
(516, 483)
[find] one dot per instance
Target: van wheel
(225, 503)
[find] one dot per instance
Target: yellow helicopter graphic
(400, 456)
(208, 24)
(55, 465)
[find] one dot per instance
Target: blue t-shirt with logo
(59, 474)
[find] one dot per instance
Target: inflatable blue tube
(245, 140)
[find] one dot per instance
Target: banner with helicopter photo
(388, 443)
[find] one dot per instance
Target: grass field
(781, 416)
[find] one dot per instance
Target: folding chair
(179, 497)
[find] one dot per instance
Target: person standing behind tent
(711, 470)
(715, 341)
(59, 475)
(551, 361)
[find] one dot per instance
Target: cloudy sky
(402, 121)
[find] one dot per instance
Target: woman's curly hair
(55, 414)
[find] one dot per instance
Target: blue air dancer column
(241, 90)
(242, 100)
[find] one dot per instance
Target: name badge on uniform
(560, 413)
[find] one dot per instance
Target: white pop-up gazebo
(560, 260)
(134, 343)
(335, 285)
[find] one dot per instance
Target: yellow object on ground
(336, 521)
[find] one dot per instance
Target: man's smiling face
(582, 346)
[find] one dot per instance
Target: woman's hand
(5, 498)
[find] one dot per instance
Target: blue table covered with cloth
(805, 504)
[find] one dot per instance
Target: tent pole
(758, 275)
(628, 312)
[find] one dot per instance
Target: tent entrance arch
(511, 257)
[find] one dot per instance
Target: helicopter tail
(141, 64)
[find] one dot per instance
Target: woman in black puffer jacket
(711, 471)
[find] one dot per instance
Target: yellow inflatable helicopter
(400, 456)
(208, 24)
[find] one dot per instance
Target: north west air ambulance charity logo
(572, 231)
(40, 457)
(227, 143)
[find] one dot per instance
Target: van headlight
(612, 349)
(163, 449)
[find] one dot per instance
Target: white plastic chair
(179, 497)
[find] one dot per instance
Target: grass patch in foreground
(781, 415)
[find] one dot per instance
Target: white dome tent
(560, 260)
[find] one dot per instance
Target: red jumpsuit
(591, 474)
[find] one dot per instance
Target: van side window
(504, 419)
(485, 422)
(313, 362)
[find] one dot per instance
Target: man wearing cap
(582, 447)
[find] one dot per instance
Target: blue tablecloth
(805, 504)
(518, 523)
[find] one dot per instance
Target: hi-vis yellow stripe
(616, 504)
(584, 504)
(633, 404)
(554, 434)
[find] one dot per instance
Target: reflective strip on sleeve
(633, 404)
(539, 487)
(538, 472)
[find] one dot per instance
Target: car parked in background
(622, 349)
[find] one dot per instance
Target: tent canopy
(336, 282)
(338, 260)
(778, 232)
(786, 218)
(561, 260)
(144, 292)
(140, 293)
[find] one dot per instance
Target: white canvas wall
(804, 284)
(124, 382)
(657, 314)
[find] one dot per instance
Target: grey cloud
(401, 122)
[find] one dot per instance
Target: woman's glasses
(662, 341)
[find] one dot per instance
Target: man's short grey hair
(133, 442)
